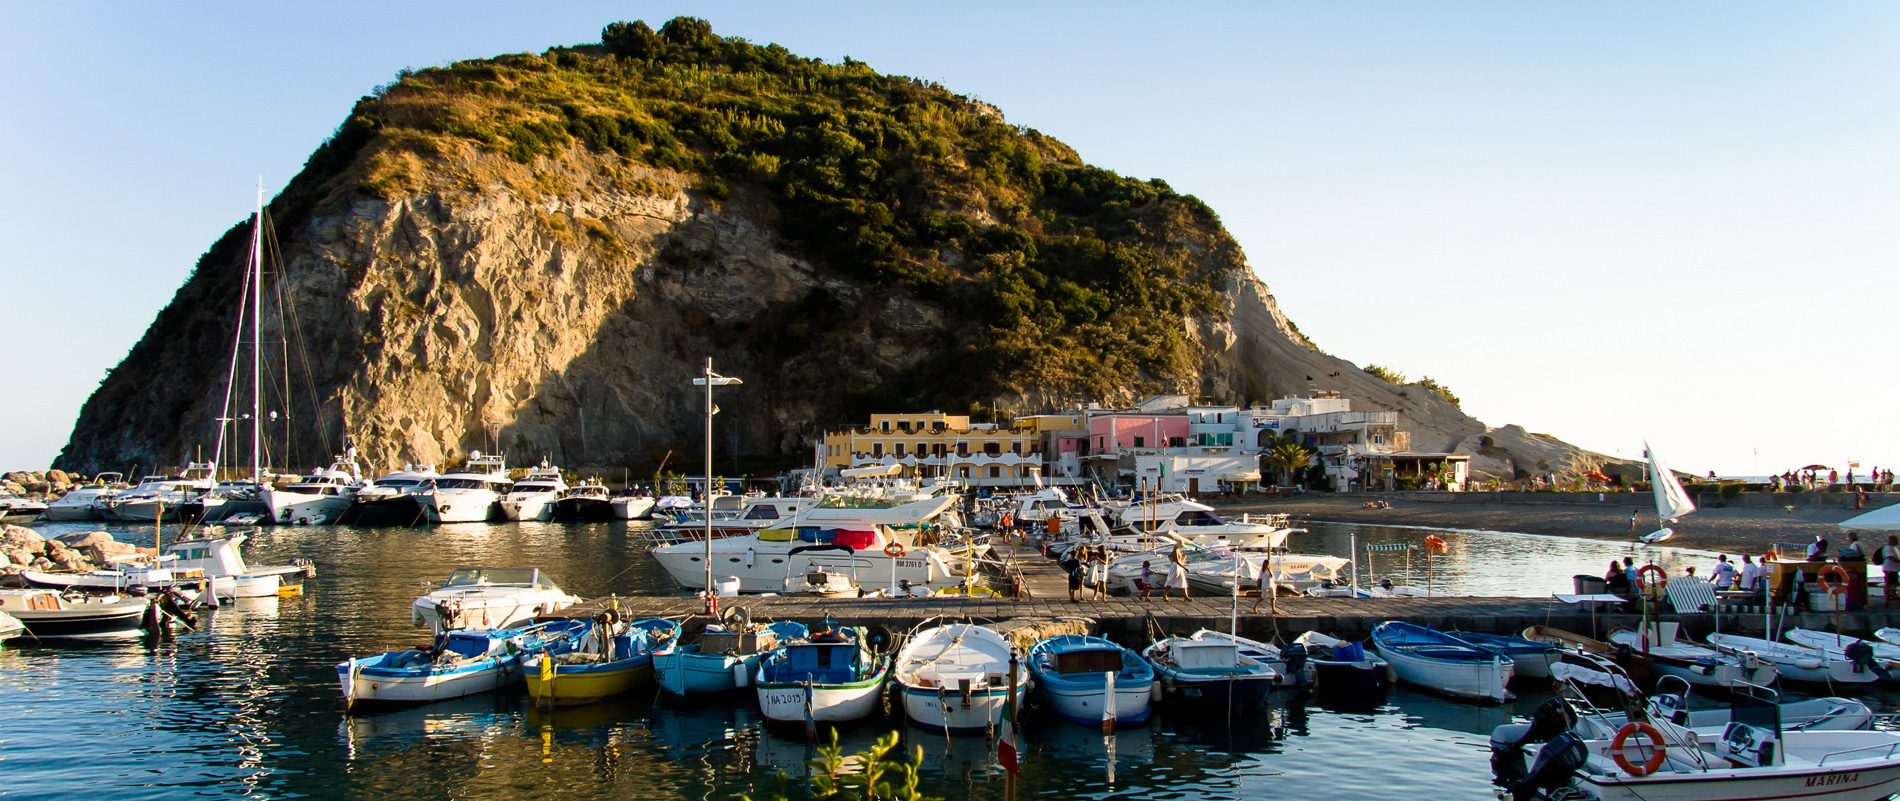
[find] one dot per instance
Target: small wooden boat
(1210, 672)
(722, 660)
(461, 662)
(1073, 673)
(47, 614)
(1438, 661)
(829, 678)
(955, 678)
(609, 659)
(1568, 640)
(1698, 664)
(1796, 662)
(1871, 654)
(1344, 667)
(1530, 659)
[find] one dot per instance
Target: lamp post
(710, 380)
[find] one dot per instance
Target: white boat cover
(1886, 518)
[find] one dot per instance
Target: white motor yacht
(317, 498)
(471, 494)
(156, 495)
(533, 498)
(489, 598)
(1199, 522)
(875, 545)
(186, 564)
(86, 502)
(633, 507)
(386, 501)
(15, 506)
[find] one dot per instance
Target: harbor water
(250, 706)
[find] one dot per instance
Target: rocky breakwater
(24, 549)
(38, 483)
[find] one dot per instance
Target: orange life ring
(1656, 755)
(1662, 578)
(1437, 544)
(1839, 586)
(894, 550)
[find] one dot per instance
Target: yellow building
(935, 444)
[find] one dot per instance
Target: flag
(1006, 742)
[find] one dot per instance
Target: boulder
(15, 556)
(59, 478)
(42, 563)
(25, 539)
(83, 539)
(12, 487)
(102, 553)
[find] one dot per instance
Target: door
(1194, 487)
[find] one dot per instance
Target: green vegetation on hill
(1063, 276)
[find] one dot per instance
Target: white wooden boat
(829, 678)
(1072, 673)
(47, 614)
(955, 678)
(1795, 662)
(185, 564)
(459, 663)
(1871, 653)
(489, 598)
(1438, 661)
(1697, 664)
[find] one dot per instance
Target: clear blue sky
(1605, 221)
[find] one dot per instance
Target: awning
(1253, 475)
(1883, 519)
(874, 470)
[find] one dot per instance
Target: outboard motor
(1862, 655)
(1552, 720)
(1295, 656)
(1555, 766)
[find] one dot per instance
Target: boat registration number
(1829, 781)
(786, 698)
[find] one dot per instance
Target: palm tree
(1287, 455)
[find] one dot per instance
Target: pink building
(1113, 433)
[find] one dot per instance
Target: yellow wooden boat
(594, 671)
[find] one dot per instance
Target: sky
(1606, 221)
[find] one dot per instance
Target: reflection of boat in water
(598, 723)
(1134, 745)
(680, 732)
(481, 716)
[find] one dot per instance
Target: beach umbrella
(1886, 518)
(1814, 467)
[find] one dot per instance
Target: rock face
(557, 305)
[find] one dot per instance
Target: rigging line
(230, 380)
(296, 324)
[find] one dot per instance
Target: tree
(1287, 455)
(686, 31)
(632, 40)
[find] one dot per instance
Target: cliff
(535, 253)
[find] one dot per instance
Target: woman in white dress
(1177, 573)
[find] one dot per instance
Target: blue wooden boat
(722, 660)
(1072, 673)
(458, 663)
(611, 658)
(1438, 661)
(1531, 659)
(1208, 669)
(832, 677)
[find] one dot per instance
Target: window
(900, 450)
(1378, 439)
(877, 450)
(963, 449)
(903, 425)
(937, 450)
(1016, 448)
(995, 471)
(1177, 442)
(1141, 442)
(992, 449)
(887, 425)
(920, 426)
(963, 472)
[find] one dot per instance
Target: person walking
(1177, 574)
(1264, 583)
(1145, 585)
(1073, 567)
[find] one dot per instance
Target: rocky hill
(536, 252)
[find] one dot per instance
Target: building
(1359, 450)
(1164, 442)
(934, 444)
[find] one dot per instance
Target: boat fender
(1154, 692)
(1656, 756)
(1809, 663)
(740, 675)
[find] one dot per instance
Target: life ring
(894, 550)
(1437, 544)
(1837, 587)
(1662, 578)
(1656, 756)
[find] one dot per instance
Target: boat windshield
(461, 483)
(1195, 517)
(397, 482)
(478, 576)
(536, 486)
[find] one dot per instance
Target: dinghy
(458, 663)
(1867, 653)
(1287, 674)
(1529, 659)
(1209, 672)
(609, 659)
(1344, 667)
(724, 658)
(829, 678)
(1568, 641)
(1438, 661)
(1795, 662)
(1701, 666)
(955, 678)
(1077, 674)
(46, 614)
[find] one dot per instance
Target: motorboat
(159, 495)
(185, 563)
(489, 598)
(85, 502)
(533, 497)
(229, 499)
(735, 516)
(588, 500)
(317, 498)
(1698, 664)
(1530, 659)
(1872, 654)
(1209, 672)
(1568, 640)
(1890, 636)
(1344, 667)
(1438, 661)
(633, 507)
(16, 506)
(1293, 571)
(386, 501)
(10, 626)
(1200, 523)
(1287, 672)
(458, 663)
(831, 677)
(955, 678)
(1590, 753)
(49, 614)
(1091, 681)
(611, 658)
(471, 494)
(724, 658)
(878, 545)
(1798, 662)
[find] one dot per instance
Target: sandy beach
(1736, 530)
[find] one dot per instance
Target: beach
(1732, 529)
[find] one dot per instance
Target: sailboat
(1671, 501)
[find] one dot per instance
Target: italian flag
(1006, 742)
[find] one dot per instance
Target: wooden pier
(1130, 620)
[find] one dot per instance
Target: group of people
(1751, 576)
(1809, 479)
(1087, 568)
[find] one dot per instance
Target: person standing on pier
(1073, 566)
(1177, 573)
(1724, 574)
(1889, 557)
(1098, 574)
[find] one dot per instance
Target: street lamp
(710, 380)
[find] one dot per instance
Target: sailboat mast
(257, 342)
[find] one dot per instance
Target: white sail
(1671, 501)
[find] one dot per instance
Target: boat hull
(532, 508)
(1214, 692)
(71, 513)
(688, 673)
(300, 508)
(1828, 784)
(1482, 681)
(580, 684)
(1082, 703)
(472, 506)
(784, 704)
(399, 510)
(364, 684)
(633, 509)
(941, 709)
(117, 621)
(585, 509)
